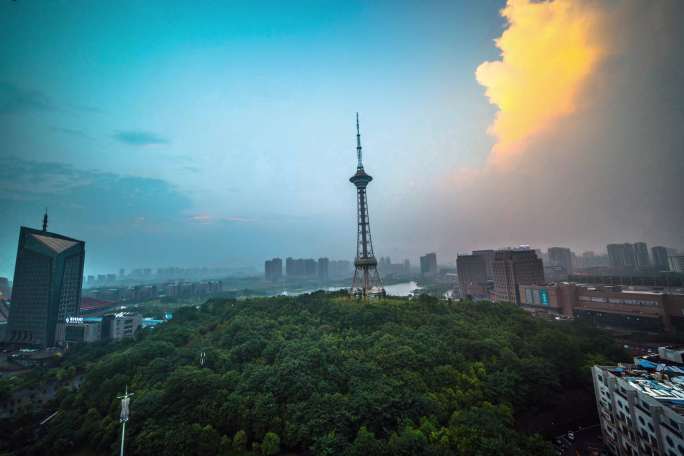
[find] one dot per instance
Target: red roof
(88, 303)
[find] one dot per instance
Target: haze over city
(216, 134)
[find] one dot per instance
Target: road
(588, 441)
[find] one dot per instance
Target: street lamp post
(125, 402)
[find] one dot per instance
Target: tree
(365, 443)
(408, 442)
(317, 373)
(240, 441)
(225, 446)
(271, 444)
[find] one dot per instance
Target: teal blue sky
(234, 120)
(219, 133)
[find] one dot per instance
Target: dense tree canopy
(320, 374)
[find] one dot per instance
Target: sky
(222, 133)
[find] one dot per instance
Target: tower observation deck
(366, 279)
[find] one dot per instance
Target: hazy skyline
(222, 134)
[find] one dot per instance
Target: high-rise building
(676, 263)
(562, 257)
(616, 255)
(47, 286)
(273, 269)
(300, 267)
(660, 255)
(4, 288)
(366, 279)
(428, 264)
(630, 256)
(472, 274)
(387, 269)
(488, 256)
(310, 267)
(323, 269)
(513, 268)
(621, 256)
(641, 258)
(590, 259)
(340, 269)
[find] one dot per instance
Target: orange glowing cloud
(548, 51)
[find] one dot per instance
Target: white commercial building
(121, 325)
(641, 405)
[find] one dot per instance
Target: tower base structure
(366, 281)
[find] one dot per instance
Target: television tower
(366, 279)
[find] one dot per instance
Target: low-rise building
(609, 305)
(552, 297)
(83, 329)
(120, 325)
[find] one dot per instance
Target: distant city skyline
(256, 268)
(220, 135)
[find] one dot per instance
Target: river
(402, 289)
(397, 289)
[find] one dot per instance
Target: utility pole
(125, 401)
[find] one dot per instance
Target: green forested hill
(321, 374)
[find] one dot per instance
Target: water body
(398, 289)
(402, 289)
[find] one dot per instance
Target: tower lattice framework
(366, 278)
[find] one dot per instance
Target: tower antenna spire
(358, 143)
(45, 220)
(366, 280)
